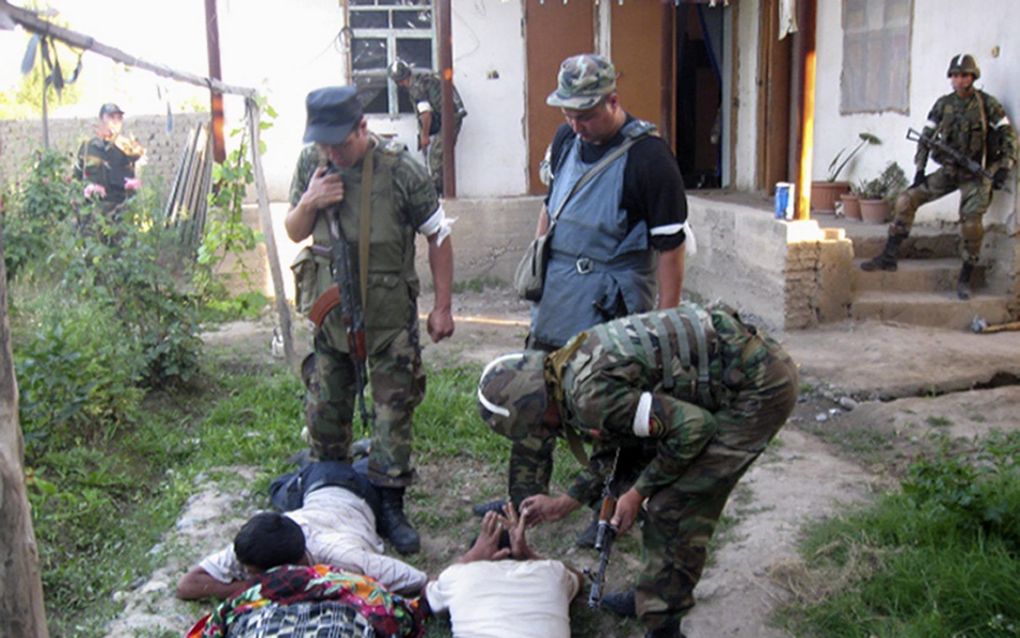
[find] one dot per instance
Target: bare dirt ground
(874, 396)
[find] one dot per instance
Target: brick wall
(20, 138)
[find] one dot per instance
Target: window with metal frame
(381, 31)
(876, 56)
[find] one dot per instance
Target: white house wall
(747, 94)
(941, 29)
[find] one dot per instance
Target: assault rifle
(961, 160)
(604, 536)
(352, 313)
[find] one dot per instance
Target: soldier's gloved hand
(999, 179)
(919, 179)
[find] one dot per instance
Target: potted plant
(876, 195)
(824, 194)
(851, 204)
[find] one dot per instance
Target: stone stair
(923, 289)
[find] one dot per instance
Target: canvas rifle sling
(365, 225)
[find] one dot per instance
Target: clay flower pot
(851, 206)
(875, 211)
(825, 194)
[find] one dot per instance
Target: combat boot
(887, 259)
(963, 283)
(670, 630)
(621, 603)
(393, 523)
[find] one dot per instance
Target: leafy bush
(76, 374)
(940, 558)
(886, 186)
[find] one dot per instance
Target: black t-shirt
(653, 189)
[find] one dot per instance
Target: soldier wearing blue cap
(343, 161)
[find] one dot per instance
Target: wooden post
(446, 74)
(668, 79)
(806, 59)
(253, 113)
(212, 40)
(21, 595)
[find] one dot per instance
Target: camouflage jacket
(986, 137)
(426, 91)
(598, 376)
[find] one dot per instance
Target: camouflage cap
(512, 396)
(964, 63)
(583, 81)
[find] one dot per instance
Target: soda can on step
(785, 199)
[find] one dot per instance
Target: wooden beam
(212, 42)
(446, 74)
(30, 21)
(21, 594)
(266, 221)
(806, 59)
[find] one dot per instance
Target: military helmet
(399, 70)
(963, 63)
(512, 395)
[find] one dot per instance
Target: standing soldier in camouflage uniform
(107, 161)
(974, 123)
(326, 200)
(616, 239)
(426, 90)
(710, 390)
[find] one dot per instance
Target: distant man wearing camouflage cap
(708, 389)
(106, 163)
(975, 124)
(615, 238)
(426, 91)
(345, 161)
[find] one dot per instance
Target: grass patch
(939, 558)
(938, 421)
(99, 508)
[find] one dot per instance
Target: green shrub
(76, 373)
(939, 558)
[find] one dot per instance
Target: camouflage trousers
(975, 196)
(435, 158)
(681, 517)
(398, 386)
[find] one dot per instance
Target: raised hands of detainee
(519, 547)
(486, 546)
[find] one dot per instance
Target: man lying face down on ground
(504, 589)
(334, 524)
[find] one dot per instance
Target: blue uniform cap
(332, 113)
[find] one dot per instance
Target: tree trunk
(21, 598)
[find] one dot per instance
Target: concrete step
(914, 275)
(925, 242)
(929, 309)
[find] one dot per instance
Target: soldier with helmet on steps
(975, 124)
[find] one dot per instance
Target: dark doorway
(699, 88)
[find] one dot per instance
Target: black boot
(393, 523)
(887, 259)
(670, 630)
(963, 283)
(621, 603)
(586, 538)
(481, 509)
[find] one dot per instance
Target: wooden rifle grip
(608, 508)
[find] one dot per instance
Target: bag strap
(593, 172)
(365, 224)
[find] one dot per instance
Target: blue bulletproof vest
(598, 268)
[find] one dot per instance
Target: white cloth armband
(643, 416)
(437, 223)
(423, 106)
